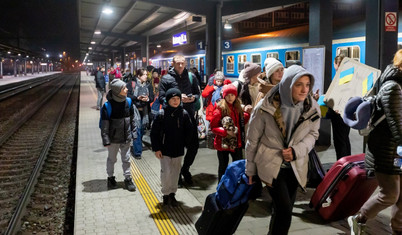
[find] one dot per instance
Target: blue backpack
(109, 110)
(233, 188)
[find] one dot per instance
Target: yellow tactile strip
(160, 217)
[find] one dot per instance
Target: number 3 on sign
(227, 45)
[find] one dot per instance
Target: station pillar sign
(180, 39)
(390, 21)
(227, 45)
(200, 45)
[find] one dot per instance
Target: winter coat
(265, 140)
(172, 79)
(171, 131)
(207, 93)
(120, 127)
(141, 89)
(100, 80)
(384, 139)
(217, 129)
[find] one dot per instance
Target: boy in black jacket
(170, 133)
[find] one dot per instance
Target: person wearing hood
(382, 155)
(117, 131)
(272, 76)
(249, 90)
(178, 77)
(169, 135)
(281, 132)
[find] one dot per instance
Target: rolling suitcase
(344, 189)
(215, 220)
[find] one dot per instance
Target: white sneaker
(355, 227)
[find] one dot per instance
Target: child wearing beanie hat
(213, 93)
(272, 76)
(118, 129)
(171, 132)
(226, 140)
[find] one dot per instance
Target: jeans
(100, 97)
(283, 193)
(137, 143)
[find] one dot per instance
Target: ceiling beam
(234, 7)
(199, 7)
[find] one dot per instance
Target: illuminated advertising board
(180, 39)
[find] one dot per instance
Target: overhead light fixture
(47, 55)
(158, 46)
(107, 10)
(89, 48)
(97, 32)
(227, 25)
(93, 42)
(8, 52)
(19, 54)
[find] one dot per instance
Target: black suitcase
(316, 171)
(215, 220)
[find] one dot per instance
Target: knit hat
(172, 92)
(250, 70)
(116, 85)
(271, 65)
(219, 76)
(229, 89)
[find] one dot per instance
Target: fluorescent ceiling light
(158, 46)
(89, 48)
(107, 10)
(97, 32)
(93, 42)
(227, 25)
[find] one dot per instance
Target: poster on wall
(352, 79)
(313, 61)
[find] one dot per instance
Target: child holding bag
(229, 106)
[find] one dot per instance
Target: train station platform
(12, 79)
(102, 211)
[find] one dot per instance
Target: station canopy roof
(108, 26)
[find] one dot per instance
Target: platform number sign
(200, 45)
(227, 45)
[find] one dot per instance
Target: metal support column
(381, 41)
(1, 67)
(25, 67)
(320, 33)
(213, 51)
(15, 68)
(123, 60)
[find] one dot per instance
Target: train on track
(286, 45)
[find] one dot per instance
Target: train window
(241, 60)
(256, 58)
(230, 64)
(292, 57)
(273, 55)
(352, 52)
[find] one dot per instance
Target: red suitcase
(344, 189)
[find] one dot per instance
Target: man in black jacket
(178, 77)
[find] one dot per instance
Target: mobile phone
(190, 95)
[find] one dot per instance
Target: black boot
(173, 201)
(187, 177)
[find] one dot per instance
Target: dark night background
(40, 26)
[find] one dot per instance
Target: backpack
(197, 103)
(109, 110)
(233, 189)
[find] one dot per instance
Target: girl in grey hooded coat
(282, 131)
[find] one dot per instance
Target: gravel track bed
(18, 155)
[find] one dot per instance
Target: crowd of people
(275, 120)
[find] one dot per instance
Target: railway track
(40, 145)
